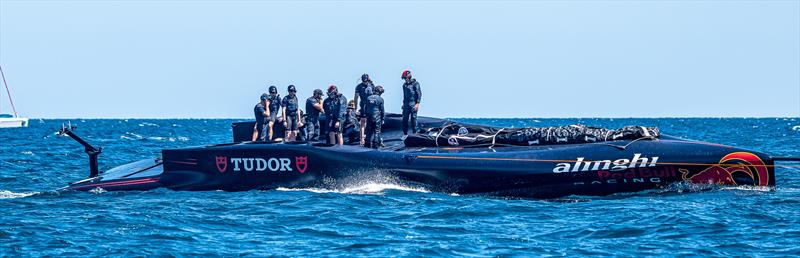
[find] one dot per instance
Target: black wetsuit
(375, 115)
(352, 127)
(363, 90)
(262, 122)
(412, 95)
(274, 107)
(312, 120)
(335, 110)
(290, 104)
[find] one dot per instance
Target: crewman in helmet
(313, 110)
(375, 113)
(291, 114)
(412, 95)
(335, 107)
(363, 91)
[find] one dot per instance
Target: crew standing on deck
(363, 91)
(375, 114)
(412, 95)
(273, 108)
(291, 114)
(262, 118)
(335, 107)
(351, 132)
(313, 110)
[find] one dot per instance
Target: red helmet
(332, 88)
(406, 73)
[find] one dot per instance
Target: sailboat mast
(10, 100)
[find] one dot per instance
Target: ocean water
(380, 218)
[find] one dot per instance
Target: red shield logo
(301, 163)
(222, 164)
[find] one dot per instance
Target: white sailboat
(8, 120)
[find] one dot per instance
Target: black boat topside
(542, 171)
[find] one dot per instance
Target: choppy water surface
(378, 218)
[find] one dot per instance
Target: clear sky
(212, 59)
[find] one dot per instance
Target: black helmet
(273, 89)
(379, 90)
(317, 92)
(364, 77)
(291, 88)
(264, 96)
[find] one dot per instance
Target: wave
(131, 136)
(168, 139)
(98, 190)
(5, 194)
(147, 124)
(136, 137)
(748, 188)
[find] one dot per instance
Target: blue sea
(378, 218)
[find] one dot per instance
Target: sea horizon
(609, 117)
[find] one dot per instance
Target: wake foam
(375, 182)
(681, 187)
(4, 194)
(366, 188)
(131, 136)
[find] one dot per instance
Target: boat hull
(14, 122)
(537, 172)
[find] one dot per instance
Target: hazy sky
(212, 59)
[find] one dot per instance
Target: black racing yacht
(448, 157)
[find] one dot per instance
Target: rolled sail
(457, 134)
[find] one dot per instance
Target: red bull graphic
(632, 176)
(732, 167)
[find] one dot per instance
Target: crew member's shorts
(332, 128)
(291, 123)
(263, 132)
(361, 113)
(273, 117)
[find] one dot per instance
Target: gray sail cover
(455, 134)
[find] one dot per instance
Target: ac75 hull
(539, 172)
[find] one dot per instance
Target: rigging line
(572, 161)
(8, 91)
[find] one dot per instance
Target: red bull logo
(737, 163)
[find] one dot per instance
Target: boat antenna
(8, 91)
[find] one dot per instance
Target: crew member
(352, 129)
(291, 114)
(335, 107)
(273, 107)
(363, 91)
(313, 110)
(411, 98)
(262, 118)
(375, 113)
